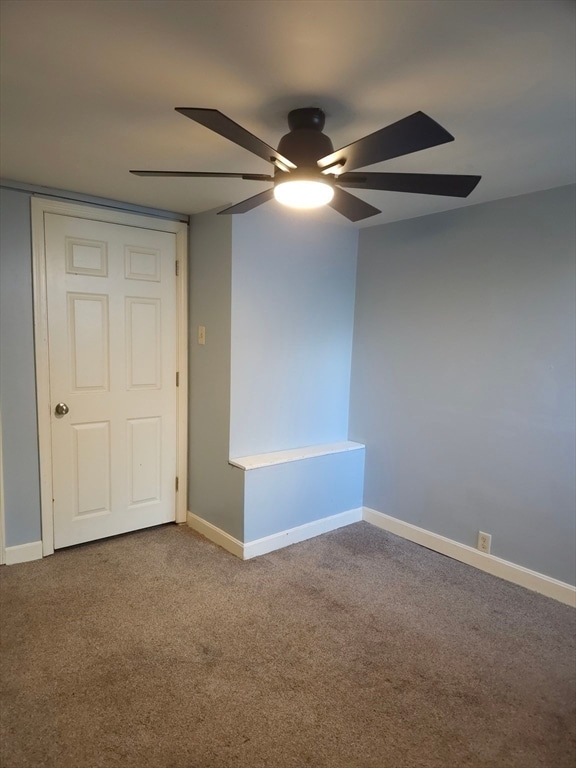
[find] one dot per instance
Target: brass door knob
(61, 409)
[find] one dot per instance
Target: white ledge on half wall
(258, 460)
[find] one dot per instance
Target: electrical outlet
(201, 334)
(484, 542)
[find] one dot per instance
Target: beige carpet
(355, 649)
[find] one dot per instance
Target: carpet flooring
(356, 649)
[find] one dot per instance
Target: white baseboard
(23, 553)
(215, 534)
(301, 533)
(250, 549)
(517, 574)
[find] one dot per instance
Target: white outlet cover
(484, 542)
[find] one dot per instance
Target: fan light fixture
(304, 194)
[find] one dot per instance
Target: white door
(111, 299)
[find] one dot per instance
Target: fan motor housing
(305, 144)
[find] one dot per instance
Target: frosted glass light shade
(304, 194)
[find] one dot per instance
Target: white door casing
(2, 529)
(110, 337)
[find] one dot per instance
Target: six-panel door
(112, 338)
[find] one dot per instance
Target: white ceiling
(88, 91)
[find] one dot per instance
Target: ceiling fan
(309, 173)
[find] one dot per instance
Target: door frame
(2, 523)
(40, 207)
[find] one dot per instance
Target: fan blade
(411, 134)
(419, 183)
(219, 123)
(351, 206)
(207, 175)
(251, 202)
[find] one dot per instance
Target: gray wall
(17, 373)
(216, 489)
(293, 285)
(463, 375)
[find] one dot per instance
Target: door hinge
(176, 483)
(177, 378)
(177, 268)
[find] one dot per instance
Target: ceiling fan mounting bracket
(334, 167)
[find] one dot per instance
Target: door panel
(144, 459)
(92, 453)
(112, 338)
(143, 343)
(89, 341)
